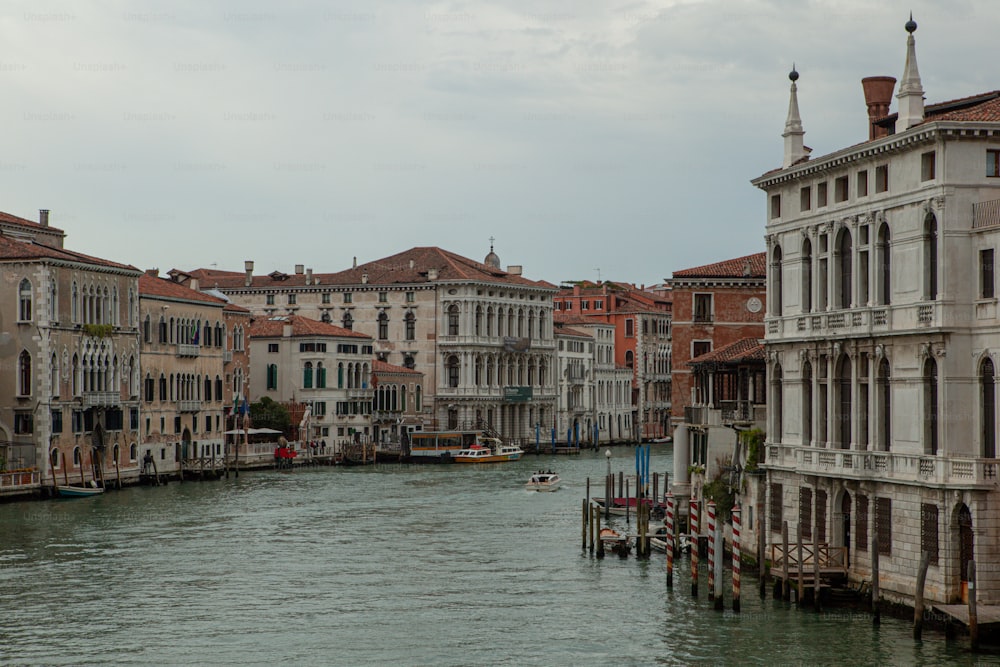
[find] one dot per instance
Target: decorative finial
(911, 25)
(491, 243)
(793, 75)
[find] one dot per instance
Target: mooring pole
(693, 530)
(710, 511)
(736, 557)
(670, 540)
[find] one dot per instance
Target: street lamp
(607, 455)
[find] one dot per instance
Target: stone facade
(882, 342)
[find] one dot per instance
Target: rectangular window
(325, 297)
(882, 178)
(291, 299)
(861, 534)
(840, 189)
(775, 206)
(775, 506)
(700, 347)
(863, 183)
(57, 420)
(410, 297)
(928, 166)
(348, 297)
(585, 305)
(23, 423)
(993, 163)
(208, 423)
(319, 408)
(272, 348)
(821, 195)
(929, 531)
(77, 421)
(987, 289)
(805, 198)
(177, 424)
(883, 525)
(383, 297)
(820, 516)
(133, 419)
(702, 307)
(629, 328)
(805, 511)
(269, 299)
(599, 304)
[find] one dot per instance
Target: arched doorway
(965, 548)
(186, 451)
(845, 525)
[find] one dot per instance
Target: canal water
(391, 564)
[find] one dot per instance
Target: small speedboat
(615, 541)
(543, 481)
(70, 491)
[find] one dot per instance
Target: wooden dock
(832, 563)
(986, 613)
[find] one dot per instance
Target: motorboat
(481, 453)
(614, 541)
(543, 481)
(71, 491)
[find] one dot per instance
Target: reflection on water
(431, 565)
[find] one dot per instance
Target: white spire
(911, 93)
(794, 148)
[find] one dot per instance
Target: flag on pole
(194, 333)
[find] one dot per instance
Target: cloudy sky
(591, 139)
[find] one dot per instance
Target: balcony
(189, 406)
(359, 393)
(865, 321)
(102, 399)
(186, 350)
(955, 472)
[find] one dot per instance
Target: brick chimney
(878, 96)
(248, 267)
(43, 217)
(309, 276)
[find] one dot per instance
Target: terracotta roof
(742, 351)
(233, 308)
(24, 222)
(11, 248)
(981, 108)
(155, 287)
(562, 330)
(409, 266)
(301, 326)
(560, 318)
(379, 366)
(730, 268)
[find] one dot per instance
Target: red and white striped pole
(693, 530)
(736, 557)
(670, 540)
(710, 507)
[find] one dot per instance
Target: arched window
(479, 320)
(75, 304)
(272, 376)
(409, 361)
(147, 330)
(930, 243)
(776, 300)
(844, 401)
(807, 399)
(24, 301)
(452, 367)
(410, 322)
(133, 452)
(54, 302)
(777, 401)
(149, 388)
(76, 456)
(307, 376)
(884, 268)
(629, 359)
(453, 313)
(340, 375)
(54, 376)
(163, 330)
(884, 406)
(320, 375)
(419, 401)
(383, 326)
(163, 387)
(807, 276)
(24, 374)
(988, 408)
(520, 322)
(930, 382)
(845, 268)
(531, 324)
(489, 320)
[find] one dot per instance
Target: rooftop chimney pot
(300, 269)
(43, 217)
(878, 96)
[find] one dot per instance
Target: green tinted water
(414, 565)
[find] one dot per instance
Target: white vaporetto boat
(543, 481)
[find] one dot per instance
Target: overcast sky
(591, 139)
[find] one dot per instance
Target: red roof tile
(409, 266)
(24, 222)
(379, 366)
(742, 351)
(301, 326)
(154, 287)
(11, 248)
(749, 266)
